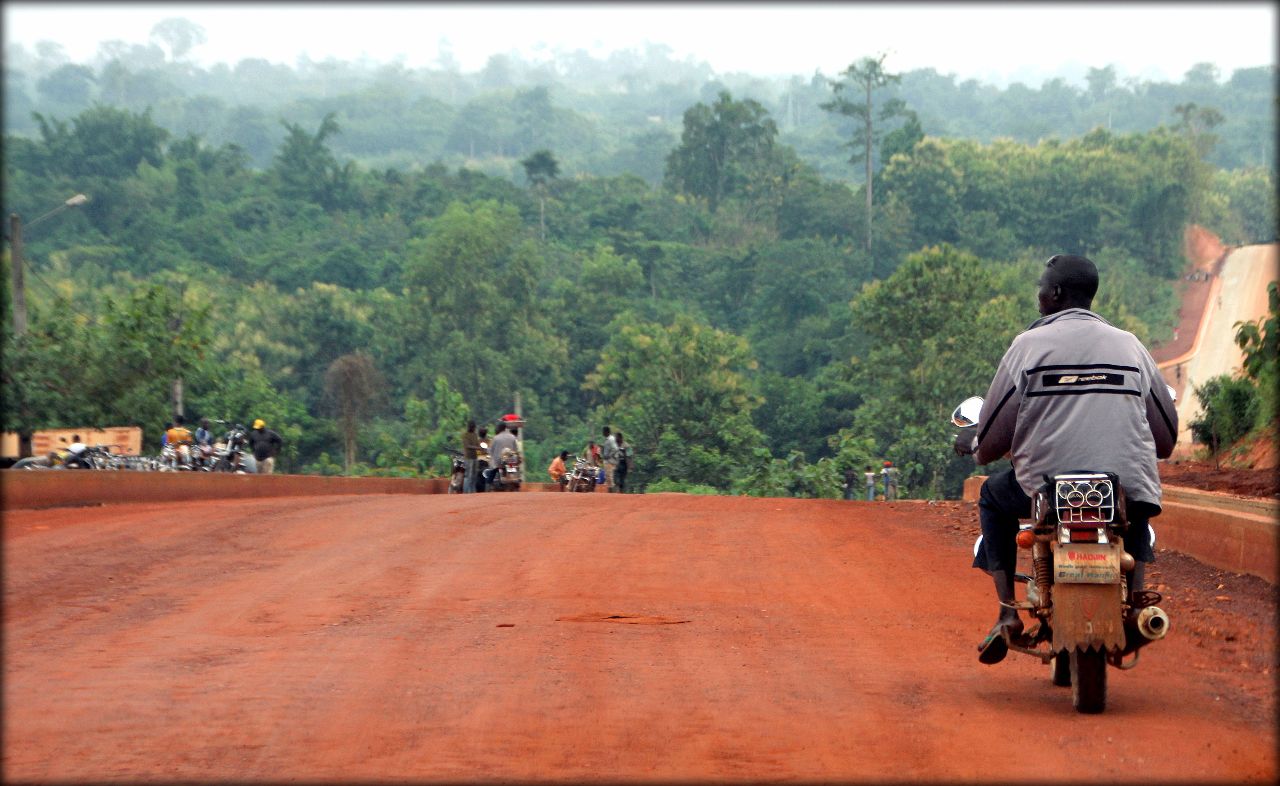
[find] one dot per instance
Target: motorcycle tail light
(1086, 499)
(1084, 535)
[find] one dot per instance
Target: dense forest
(365, 256)
(603, 116)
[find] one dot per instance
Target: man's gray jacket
(1075, 393)
(505, 440)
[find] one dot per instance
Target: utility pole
(520, 436)
(19, 292)
(176, 327)
(177, 397)
(15, 240)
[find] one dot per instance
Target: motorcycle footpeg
(1029, 648)
(1035, 634)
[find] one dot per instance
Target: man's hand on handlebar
(966, 442)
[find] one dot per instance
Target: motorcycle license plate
(1087, 563)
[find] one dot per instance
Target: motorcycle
(96, 457)
(176, 457)
(55, 459)
(203, 457)
(231, 453)
(458, 474)
(482, 467)
(582, 478)
(506, 475)
(1085, 616)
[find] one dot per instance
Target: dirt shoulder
(1205, 476)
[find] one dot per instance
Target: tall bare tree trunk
(868, 166)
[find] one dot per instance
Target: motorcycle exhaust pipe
(1145, 626)
(1152, 623)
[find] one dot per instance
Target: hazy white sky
(992, 42)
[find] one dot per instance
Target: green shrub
(1229, 411)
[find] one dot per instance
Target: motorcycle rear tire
(1089, 680)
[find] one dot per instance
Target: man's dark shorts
(1002, 502)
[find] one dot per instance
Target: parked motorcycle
(231, 453)
(51, 461)
(96, 457)
(582, 478)
(203, 457)
(175, 458)
(1085, 617)
(458, 474)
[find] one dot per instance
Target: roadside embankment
(55, 488)
(70, 488)
(1232, 533)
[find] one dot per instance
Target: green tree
(930, 185)
(1260, 341)
(418, 443)
(1229, 411)
(540, 168)
(933, 334)
(69, 86)
(307, 170)
(903, 139)
(178, 35)
(720, 148)
(102, 142)
(865, 76)
(680, 395)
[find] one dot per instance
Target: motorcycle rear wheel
(1089, 680)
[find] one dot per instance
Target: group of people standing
(888, 478)
(613, 458)
(262, 441)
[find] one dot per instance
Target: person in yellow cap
(265, 445)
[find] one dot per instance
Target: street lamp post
(15, 239)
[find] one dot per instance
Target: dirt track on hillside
(581, 637)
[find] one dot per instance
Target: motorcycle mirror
(1173, 394)
(967, 413)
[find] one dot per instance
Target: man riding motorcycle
(1071, 392)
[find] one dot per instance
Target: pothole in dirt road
(626, 619)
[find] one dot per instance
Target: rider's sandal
(994, 647)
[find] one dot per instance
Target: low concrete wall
(1232, 533)
(66, 488)
(59, 488)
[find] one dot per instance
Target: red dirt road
(569, 637)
